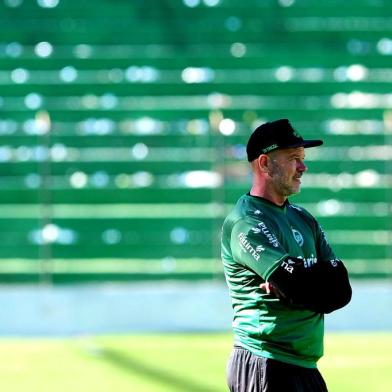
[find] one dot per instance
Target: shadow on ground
(153, 373)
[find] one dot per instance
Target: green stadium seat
(115, 161)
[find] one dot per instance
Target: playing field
(173, 363)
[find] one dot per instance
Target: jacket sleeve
(335, 289)
(322, 287)
(255, 245)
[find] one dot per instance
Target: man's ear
(262, 163)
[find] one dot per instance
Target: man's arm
(322, 288)
(314, 288)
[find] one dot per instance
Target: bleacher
(123, 123)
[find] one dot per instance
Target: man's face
(285, 170)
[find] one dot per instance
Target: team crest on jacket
(298, 237)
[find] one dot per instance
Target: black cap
(275, 135)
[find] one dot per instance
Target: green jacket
(256, 236)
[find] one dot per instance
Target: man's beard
(283, 184)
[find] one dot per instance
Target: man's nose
(301, 166)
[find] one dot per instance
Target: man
(282, 274)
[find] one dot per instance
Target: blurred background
(122, 148)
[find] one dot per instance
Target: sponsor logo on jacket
(246, 246)
(310, 261)
(288, 265)
(270, 237)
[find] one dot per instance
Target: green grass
(173, 363)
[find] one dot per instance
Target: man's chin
(295, 190)
(296, 187)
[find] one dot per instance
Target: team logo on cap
(269, 148)
(296, 134)
(298, 237)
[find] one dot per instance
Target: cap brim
(305, 144)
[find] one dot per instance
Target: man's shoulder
(301, 212)
(244, 211)
(250, 212)
(239, 211)
(296, 207)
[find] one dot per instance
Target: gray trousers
(249, 373)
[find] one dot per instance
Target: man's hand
(269, 288)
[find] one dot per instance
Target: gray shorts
(247, 372)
